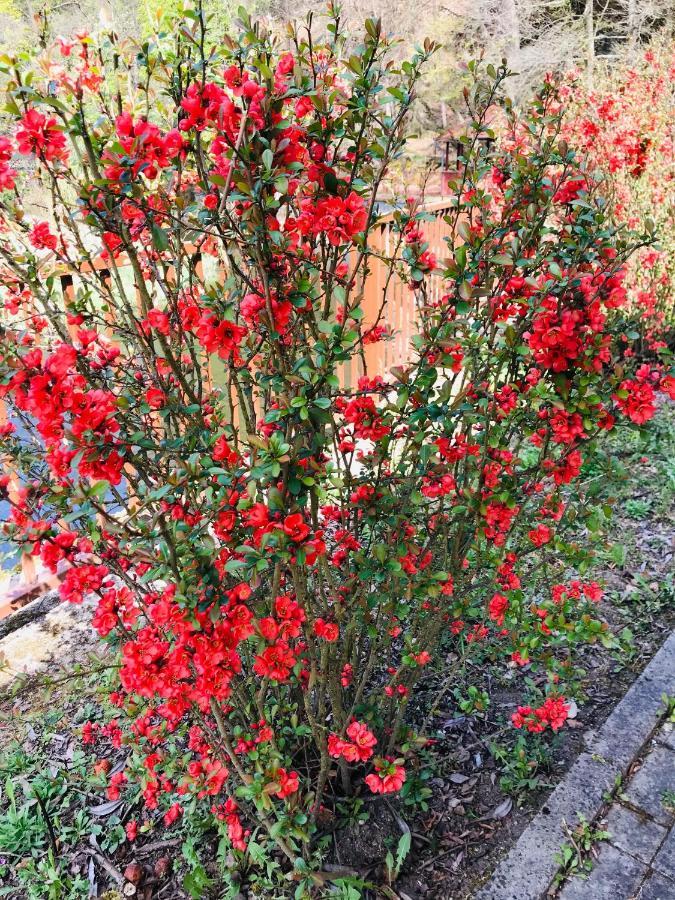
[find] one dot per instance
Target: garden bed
(467, 828)
(477, 805)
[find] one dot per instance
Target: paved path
(638, 859)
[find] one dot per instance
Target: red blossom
(358, 748)
(387, 778)
(42, 136)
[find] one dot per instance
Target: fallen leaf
(502, 811)
(105, 809)
(458, 778)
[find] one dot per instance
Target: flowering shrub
(625, 128)
(280, 541)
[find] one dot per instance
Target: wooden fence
(398, 315)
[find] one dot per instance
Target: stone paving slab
(636, 835)
(647, 787)
(665, 858)
(656, 887)
(615, 876)
(532, 864)
(666, 735)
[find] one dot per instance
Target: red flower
(290, 614)
(329, 631)
(222, 452)
(158, 320)
(346, 675)
(593, 591)
(337, 218)
(89, 730)
(540, 535)
(39, 135)
(360, 746)
(289, 783)
(7, 174)
(42, 238)
(275, 662)
(387, 778)
(295, 527)
(145, 149)
(497, 608)
(553, 712)
(155, 398)
(117, 782)
(80, 580)
(173, 814)
(638, 403)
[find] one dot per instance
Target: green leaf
(99, 489)
(160, 239)
(197, 882)
(268, 158)
(465, 290)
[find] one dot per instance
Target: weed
(521, 763)
(637, 509)
(393, 866)
(576, 855)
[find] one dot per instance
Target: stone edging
(28, 613)
(528, 870)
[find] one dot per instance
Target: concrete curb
(528, 870)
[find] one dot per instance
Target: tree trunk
(589, 22)
(632, 25)
(511, 30)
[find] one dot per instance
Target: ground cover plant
(282, 543)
